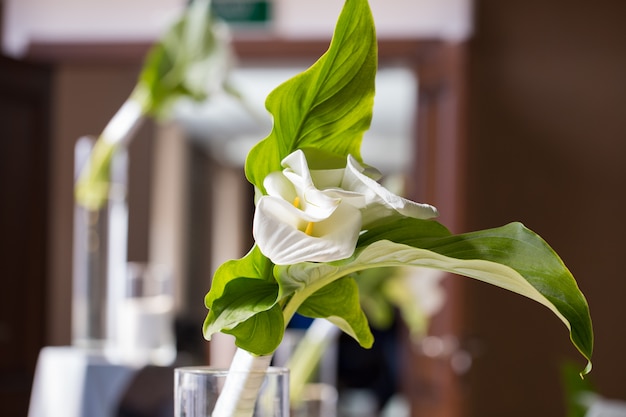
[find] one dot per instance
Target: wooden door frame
(25, 105)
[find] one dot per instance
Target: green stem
(92, 186)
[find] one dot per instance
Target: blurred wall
(547, 146)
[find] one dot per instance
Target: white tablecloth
(72, 382)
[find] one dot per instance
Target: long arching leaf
(511, 257)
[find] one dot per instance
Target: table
(74, 382)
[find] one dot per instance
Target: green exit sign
(243, 11)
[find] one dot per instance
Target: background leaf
(191, 60)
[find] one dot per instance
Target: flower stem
(242, 385)
(92, 186)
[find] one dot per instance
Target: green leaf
(327, 107)
(511, 257)
(241, 299)
(385, 292)
(338, 302)
(253, 265)
(379, 310)
(262, 333)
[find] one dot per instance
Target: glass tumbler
(143, 325)
(197, 390)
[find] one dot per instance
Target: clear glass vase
(197, 389)
(99, 257)
(143, 331)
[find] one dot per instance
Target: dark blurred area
(547, 146)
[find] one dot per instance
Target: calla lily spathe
(317, 215)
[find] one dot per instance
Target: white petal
(355, 199)
(277, 185)
(284, 243)
(313, 201)
(296, 162)
(297, 171)
(319, 204)
(375, 195)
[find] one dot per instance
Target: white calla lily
(317, 215)
(283, 234)
(297, 222)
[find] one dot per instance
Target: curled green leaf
(241, 299)
(328, 106)
(261, 333)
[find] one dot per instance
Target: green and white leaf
(511, 257)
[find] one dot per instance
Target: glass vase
(99, 254)
(143, 331)
(197, 389)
